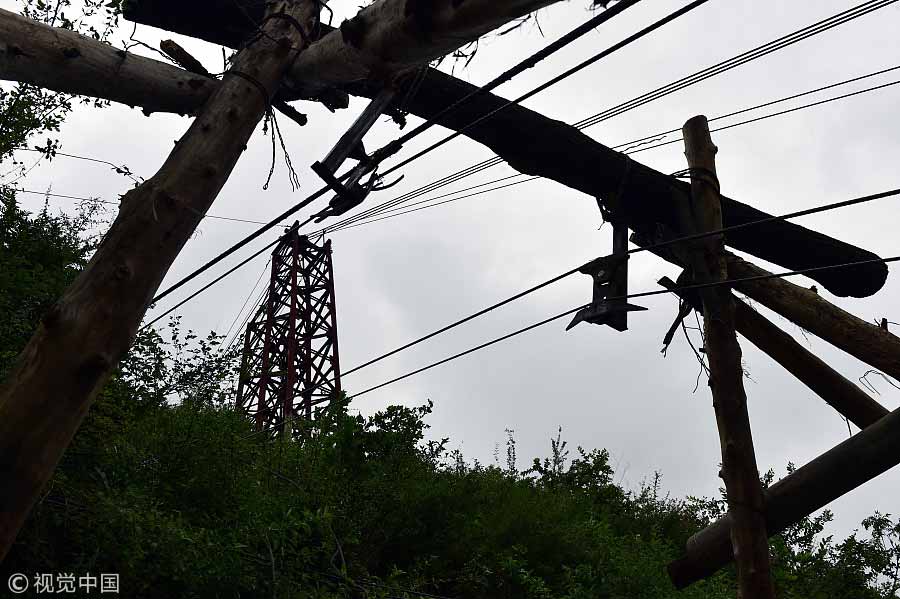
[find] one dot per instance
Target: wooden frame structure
(755, 514)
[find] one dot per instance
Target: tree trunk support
(82, 338)
(847, 466)
(739, 471)
(861, 339)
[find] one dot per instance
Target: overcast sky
(403, 277)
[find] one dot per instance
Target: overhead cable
(216, 280)
(750, 55)
(562, 76)
(638, 145)
(524, 65)
(244, 305)
(520, 67)
(769, 116)
(819, 27)
(655, 246)
(675, 290)
(86, 199)
(702, 75)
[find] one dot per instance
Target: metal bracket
(350, 145)
(610, 279)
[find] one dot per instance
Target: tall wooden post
(739, 470)
(80, 340)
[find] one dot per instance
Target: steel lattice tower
(290, 360)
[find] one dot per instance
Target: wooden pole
(847, 398)
(81, 339)
(395, 36)
(564, 154)
(739, 471)
(854, 462)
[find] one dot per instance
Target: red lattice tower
(290, 361)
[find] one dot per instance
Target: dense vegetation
(167, 485)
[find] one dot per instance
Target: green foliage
(167, 485)
(39, 256)
(187, 500)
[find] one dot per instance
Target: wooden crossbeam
(386, 38)
(847, 466)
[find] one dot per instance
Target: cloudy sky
(403, 277)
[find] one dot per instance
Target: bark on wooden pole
(78, 343)
(389, 37)
(854, 462)
(530, 142)
(739, 471)
(385, 38)
(840, 393)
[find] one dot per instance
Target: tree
(76, 346)
(40, 256)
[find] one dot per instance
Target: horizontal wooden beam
(847, 466)
(64, 61)
(386, 37)
(530, 142)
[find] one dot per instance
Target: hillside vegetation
(167, 485)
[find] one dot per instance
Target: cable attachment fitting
(350, 145)
(610, 286)
(349, 195)
(603, 311)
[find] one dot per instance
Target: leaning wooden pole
(739, 470)
(864, 340)
(843, 395)
(78, 343)
(854, 462)
(869, 342)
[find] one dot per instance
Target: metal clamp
(350, 145)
